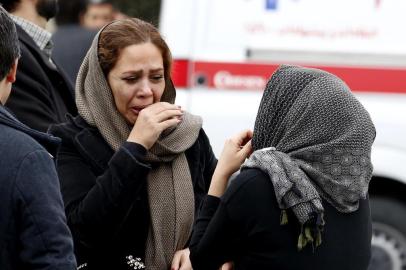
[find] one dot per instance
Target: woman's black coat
(244, 227)
(105, 192)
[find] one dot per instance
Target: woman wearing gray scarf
(133, 165)
(301, 199)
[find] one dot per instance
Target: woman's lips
(137, 110)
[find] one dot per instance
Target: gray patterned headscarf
(313, 138)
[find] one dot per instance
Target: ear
(82, 18)
(12, 74)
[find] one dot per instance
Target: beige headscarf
(170, 190)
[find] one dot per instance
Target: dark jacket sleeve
(46, 242)
(223, 226)
(213, 237)
(202, 169)
(210, 160)
(97, 205)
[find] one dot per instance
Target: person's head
(303, 107)
(9, 54)
(45, 9)
(136, 62)
(313, 138)
(98, 13)
(71, 12)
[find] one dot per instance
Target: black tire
(389, 234)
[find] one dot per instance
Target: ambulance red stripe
(252, 76)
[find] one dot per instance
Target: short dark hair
(9, 5)
(70, 11)
(9, 45)
(99, 2)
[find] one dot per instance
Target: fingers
(181, 260)
(161, 111)
(159, 107)
(176, 261)
(246, 150)
(168, 114)
(185, 264)
(169, 123)
(243, 137)
(227, 266)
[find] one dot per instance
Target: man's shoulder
(30, 53)
(30, 63)
(18, 150)
(24, 39)
(15, 144)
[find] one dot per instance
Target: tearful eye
(130, 79)
(157, 77)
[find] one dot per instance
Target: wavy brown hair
(123, 33)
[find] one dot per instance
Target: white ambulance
(226, 50)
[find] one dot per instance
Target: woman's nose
(145, 88)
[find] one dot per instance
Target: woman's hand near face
(234, 153)
(152, 120)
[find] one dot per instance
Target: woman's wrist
(218, 184)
